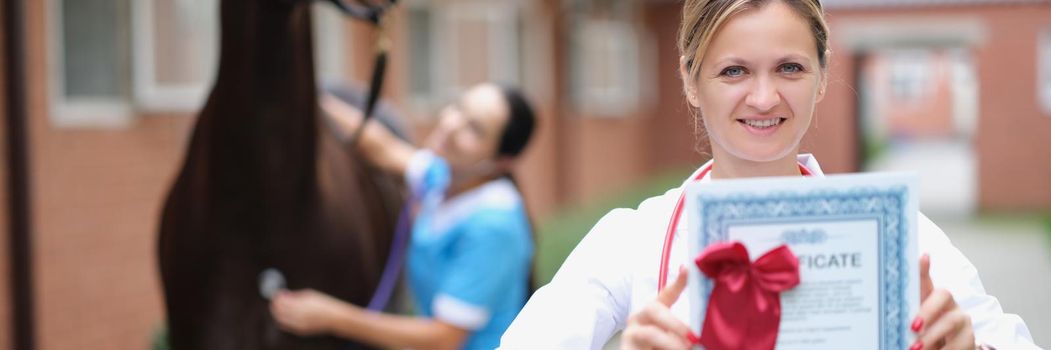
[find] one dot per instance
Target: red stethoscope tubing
(673, 224)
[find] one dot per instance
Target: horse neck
(260, 120)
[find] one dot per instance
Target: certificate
(854, 235)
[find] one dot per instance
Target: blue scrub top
(470, 258)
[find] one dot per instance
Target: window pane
(185, 41)
(95, 48)
(420, 43)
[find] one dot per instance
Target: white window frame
(145, 94)
(1043, 88)
(83, 112)
(330, 42)
(150, 95)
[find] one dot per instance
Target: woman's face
(758, 82)
(469, 131)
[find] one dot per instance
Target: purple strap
(383, 292)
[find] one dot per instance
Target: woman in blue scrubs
(470, 256)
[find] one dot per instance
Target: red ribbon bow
(744, 309)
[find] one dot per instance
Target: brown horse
(264, 185)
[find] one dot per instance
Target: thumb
(926, 286)
(670, 294)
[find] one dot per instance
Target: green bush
(160, 339)
(559, 234)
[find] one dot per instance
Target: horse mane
(262, 187)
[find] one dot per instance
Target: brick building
(112, 86)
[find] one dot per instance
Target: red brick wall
(832, 137)
(1014, 134)
(605, 155)
(671, 140)
(97, 194)
(538, 171)
(96, 201)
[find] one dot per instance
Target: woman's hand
(654, 327)
(305, 312)
(940, 324)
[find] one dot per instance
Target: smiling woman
(755, 84)
(753, 72)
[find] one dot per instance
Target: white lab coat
(612, 273)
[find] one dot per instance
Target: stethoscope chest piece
(271, 281)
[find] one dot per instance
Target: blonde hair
(702, 18)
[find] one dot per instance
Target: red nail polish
(917, 324)
(918, 345)
(693, 338)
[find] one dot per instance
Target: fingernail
(917, 324)
(918, 345)
(693, 338)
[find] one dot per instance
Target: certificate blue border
(886, 206)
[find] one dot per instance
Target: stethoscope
(673, 224)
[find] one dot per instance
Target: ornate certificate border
(888, 206)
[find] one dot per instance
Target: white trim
(104, 113)
(459, 313)
(1043, 62)
(91, 113)
(497, 194)
(149, 94)
(330, 41)
(905, 31)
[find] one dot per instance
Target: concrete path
(947, 172)
(1013, 258)
(1012, 255)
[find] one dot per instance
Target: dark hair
(520, 123)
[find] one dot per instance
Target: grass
(559, 234)
(1047, 226)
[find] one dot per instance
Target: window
(110, 58)
(421, 44)
(455, 45)
(606, 69)
(90, 83)
(910, 75)
(1044, 71)
(605, 59)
